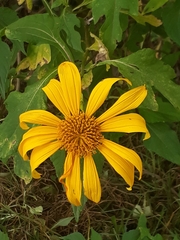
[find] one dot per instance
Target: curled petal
(38, 117)
(72, 178)
(91, 183)
(71, 86)
(128, 123)
(128, 101)
(100, 93)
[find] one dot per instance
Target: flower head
(80, 133)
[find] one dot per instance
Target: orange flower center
(80, 134)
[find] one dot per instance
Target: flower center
(80, 134)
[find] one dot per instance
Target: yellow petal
(72, 178)
(91, 183)
(41, 153)
(129, 100)
(131, 156)
(99, 94)
(36, 175)
(71, 85)
(127, 123)
(120, 165)
(35, 137)
(38, 117)
(54, 92)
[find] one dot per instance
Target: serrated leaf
(36, 54)
(3, 236)
(22, 168)
(5, 61)
(95, 235)
(38, 29)
(62, 222)
(7, 16)
(111, 28)
(67, 22)
(17, 103)
(153, 5)
(163, 142)
(171, 20)
(142, 68)
(74, 236)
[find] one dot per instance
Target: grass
(158, 191)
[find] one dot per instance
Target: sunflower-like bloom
(80, 133)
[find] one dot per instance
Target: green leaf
(157, 237)
(78, 209)
(99, 161)
(74, 236)
(7, 16)
(58, 3)
(130, 5)
(132, 234)
(58, 159)
(67, 22)
(22, 168)
(142, 68)
(84, 3)
(171, 20)
(5, 61)
(3, 236)
(62, 222)
(38, 29)
(95, 235)
(166, 113)
(153, 5)
(17, 103)
(111, 28)
(164, 142)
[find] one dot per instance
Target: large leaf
(5, 60)
(7, 16)
(163, 142)
(67, 22)
(142, 68)
(171, 20)
(111, 28)
(17, 103)
(38, 29)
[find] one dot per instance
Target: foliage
(135, 39)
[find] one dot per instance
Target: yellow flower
(80, 133)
